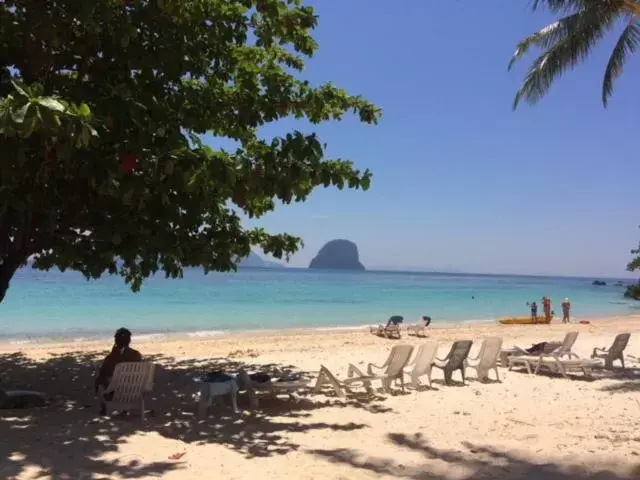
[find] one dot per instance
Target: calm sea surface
(54, 304)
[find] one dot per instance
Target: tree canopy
(633, 291)
(103, 108)
(569, 41)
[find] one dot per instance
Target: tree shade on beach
(569, 41)
(103, 108)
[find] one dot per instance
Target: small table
(207, 391)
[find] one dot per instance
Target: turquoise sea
(54, 304)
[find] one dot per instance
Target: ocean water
(54, 304)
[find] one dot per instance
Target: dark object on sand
(216, 377)
(260, 377)
(10, 399)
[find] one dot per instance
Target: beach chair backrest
(130, 380)
(489, 352)
(567, 344)
(459, 353)
(424, 358)
(619, 344)
(398, 359)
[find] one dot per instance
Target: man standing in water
(566, 311)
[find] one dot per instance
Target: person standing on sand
(546, 306)
(534, 310)
(566, 311)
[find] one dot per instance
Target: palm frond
(546, 37)
(565, 44)
(628, 43)
(558, 6)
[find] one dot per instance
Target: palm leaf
(565, 43)
(628, 43)
(546, 37)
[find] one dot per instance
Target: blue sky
(461, 182)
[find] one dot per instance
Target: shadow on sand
(475, 462)
(65, 439)
(62, 440)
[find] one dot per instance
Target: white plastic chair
(487, 358)
(422, 363)
(130, 382)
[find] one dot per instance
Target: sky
(460, 181)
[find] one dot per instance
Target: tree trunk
(8, 268)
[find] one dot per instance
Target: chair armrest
(469, 357)
(371, 366)
(438, 362)
(353, 371)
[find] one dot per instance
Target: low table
(208, 391)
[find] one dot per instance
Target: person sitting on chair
(121, 352)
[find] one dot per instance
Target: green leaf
(51, 103)
(85, 136)
(21, 89)
(84, 110)
(20, 114)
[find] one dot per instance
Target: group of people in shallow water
(548, 312)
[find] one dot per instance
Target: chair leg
(142, 409)
(495, 369)
(622, 360)
(462, 373)
(447, 376)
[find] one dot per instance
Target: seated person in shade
(121, 352)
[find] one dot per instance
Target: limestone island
(253, 260)
(338, 255)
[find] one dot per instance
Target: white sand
(543, 426)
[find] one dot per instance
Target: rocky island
(338, 255)
(254, 260)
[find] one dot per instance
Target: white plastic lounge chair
(615, 352)
(555, 364)
(558, 349)
(422, 363)
(273, 387)
(418, 329)
(391, 329)
(392, 369)
(130, 382)
(326, 377)
(487, 358)
(454, 360)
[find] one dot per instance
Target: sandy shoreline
(524, 427)
(85, 339)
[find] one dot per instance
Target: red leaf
(177, 456)
(128, 162)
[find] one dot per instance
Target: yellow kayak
(523, 321)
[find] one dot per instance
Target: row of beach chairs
(131, 381)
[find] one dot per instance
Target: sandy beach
(525, 426)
